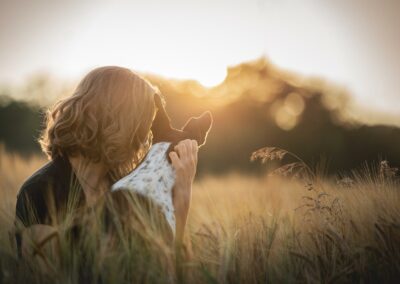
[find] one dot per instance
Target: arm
(34, 233)
(184, 160)
(39, 241)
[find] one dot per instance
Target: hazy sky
(355, 43)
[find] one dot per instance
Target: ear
(198, 127)
(161, 124)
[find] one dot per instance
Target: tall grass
(242, 229)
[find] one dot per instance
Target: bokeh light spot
(285, 120)
(294, 104)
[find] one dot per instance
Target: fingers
(190, 145)
(181, 148)
(187, 150)
(176, 162)
(195, 149)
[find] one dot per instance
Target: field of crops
(241, 229)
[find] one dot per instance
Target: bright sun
(210, 77)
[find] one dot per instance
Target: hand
(184, 160)
(39, 243)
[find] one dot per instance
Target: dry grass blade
(241, 229)
(297, 169)
(293, 169)
(302, 257)
(268, 154)
(386, 171)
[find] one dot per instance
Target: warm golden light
(199, 40)
(286, 112)
(294, 104)
(210, 77)
(285, 119)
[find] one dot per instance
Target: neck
(92, 176)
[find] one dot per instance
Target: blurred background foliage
(256, 105)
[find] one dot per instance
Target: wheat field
(242, 229)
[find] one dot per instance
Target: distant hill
(256, 105)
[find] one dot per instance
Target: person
(93, 138)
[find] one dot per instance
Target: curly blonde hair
(107, 119)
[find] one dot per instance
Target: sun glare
(208, 76)
(211, 77)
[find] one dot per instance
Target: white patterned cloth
(154, 178)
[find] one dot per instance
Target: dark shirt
(53, 192)
(49, 195)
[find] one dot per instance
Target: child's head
(107, 119)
